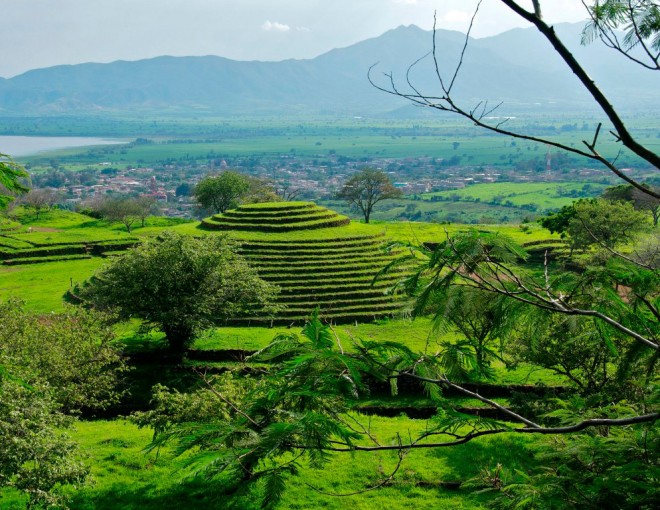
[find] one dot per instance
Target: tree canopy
(180, 284)
(366, 188)
(51, 367)
(221, 192)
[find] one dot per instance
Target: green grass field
(126, 478)
(44, 284)
(542, 195)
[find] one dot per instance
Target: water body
(19, 146)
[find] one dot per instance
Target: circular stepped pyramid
(276, 217)
(333, 270)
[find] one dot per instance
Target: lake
(18, 146)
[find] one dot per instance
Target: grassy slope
(127, 478)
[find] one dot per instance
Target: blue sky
(41, 33)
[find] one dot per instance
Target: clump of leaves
(72, 352)
(36, 456)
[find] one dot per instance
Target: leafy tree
(640, 200)
(11, 175)
(569, 346)
(145, 206)
(36, 456)
(478, 317)
(221, 192)
(366, 188)
(645, 202)
(559, 221)
(641, 21)
(50, 365)
(261, 190)
(39, 200)
(72, 352)
(609, 469)
(181, 285)
(183, 190)
(124, 210)
(603, 222)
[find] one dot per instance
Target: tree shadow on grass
(193, 494)
(468, 461)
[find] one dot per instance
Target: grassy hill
(331, 267)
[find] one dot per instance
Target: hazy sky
(41, 33)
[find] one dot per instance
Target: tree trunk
(178, 337)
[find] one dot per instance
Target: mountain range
(517, 67)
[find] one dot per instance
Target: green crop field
(318, 140)
(542, 196)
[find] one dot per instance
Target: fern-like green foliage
(12, 178)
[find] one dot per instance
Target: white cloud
(405, 2)
(303, 29)
(274, 26)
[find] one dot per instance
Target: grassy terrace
(334, 270)
(36, 266)
(299, 216)
(40, 265)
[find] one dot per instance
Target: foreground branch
(621, 130)
(596, 422)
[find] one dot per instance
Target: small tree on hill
(39, 200)
(123, 210)
(261, 190)
(366, 188)
(146, 206)
(181, 285)
(221, 192)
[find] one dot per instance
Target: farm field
(538, 196)
(473, 147)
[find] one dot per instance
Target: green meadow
(127, 478)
